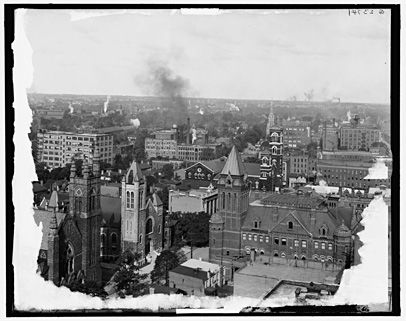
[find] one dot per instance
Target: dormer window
(257, 224)
(323, 230)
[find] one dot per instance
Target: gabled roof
(264, 213)
(253, 169)
(136, 172)
(156, 200)
(234, 165)
(45, 218)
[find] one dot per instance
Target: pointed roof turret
(53, 201)
(234, 165)
(134, 173)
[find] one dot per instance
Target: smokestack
(188, 131)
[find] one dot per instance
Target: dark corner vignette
(298, 310)
(9, 153)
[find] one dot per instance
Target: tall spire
(234, 165)
(271, 121)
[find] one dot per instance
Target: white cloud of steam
(106, 104)
(367, 283)
(135, 122)
(349, 115)
(71, 109)
(194, 135)
(378, 171)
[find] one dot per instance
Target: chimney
(187, 131)
(151, 290)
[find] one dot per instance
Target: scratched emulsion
(362, 284)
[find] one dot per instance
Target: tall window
(132, 200)
(316, 245)
(128, 199)
(228, 201)
(290, 225)
(149, 226)
(223, 200)
(304, 244)
(283, 241)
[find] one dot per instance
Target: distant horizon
(214, 98)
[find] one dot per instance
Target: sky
(273, 54)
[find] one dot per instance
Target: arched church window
(132, 199)
(149, 226)
(140, 239)
(113, 238)
(274, 150)
(235, 202)
(70, 259)
(103, 240)
(228, 201)
(223, 200)
(128, 199)
(92, 199)
(264, 160)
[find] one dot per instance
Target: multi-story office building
(330, 137)
(296, 135)
(57, 148)
(166, 144)
(354, 137)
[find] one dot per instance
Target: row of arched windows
(229, 201)
(130, 199)
(113, 239)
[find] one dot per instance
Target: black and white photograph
(202, 159)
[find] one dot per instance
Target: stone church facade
(141, 215)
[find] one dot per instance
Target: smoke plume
(106, 104)
(71, 109)
(163, 82)
(135, 122)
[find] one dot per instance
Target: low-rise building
(194, 200)
(194, 277)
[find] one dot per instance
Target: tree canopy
(165, 262)
(127, 278)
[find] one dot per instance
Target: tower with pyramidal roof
(225, 225)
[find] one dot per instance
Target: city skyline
(327, 51)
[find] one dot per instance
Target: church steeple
(271, 122)
(234, 165)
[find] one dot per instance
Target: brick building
(357, 137)
(298, 226)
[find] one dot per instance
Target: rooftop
(234, 165)
(191, 272)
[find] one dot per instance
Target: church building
(70, 246)
(141, 216)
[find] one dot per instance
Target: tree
(127, 278)
(191, 228)
(167, 171)
(165, 262)
(42, 172)
(208, 154)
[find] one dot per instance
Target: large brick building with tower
(302, 226)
